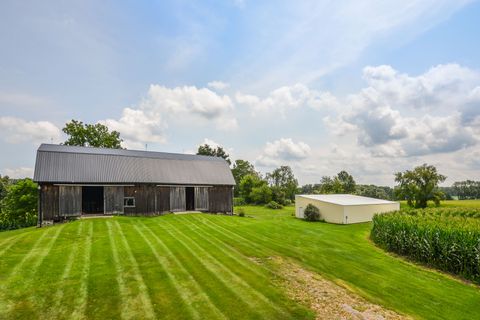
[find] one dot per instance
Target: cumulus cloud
(287, 98)
(16, 130)
(284, 149)
(148, 121)
(394, 115)
(18, 173)
(138, 128)
(218, 85)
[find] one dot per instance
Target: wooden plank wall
(70, 200)
(144, 199)
(49, 202)
(177, 199)
(201, 198)
(220, 199)
(113, 196)
(162, 199)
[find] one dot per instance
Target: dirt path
(327, 299)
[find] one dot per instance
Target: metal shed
(343, 208)
(83, 180)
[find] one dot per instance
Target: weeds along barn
(74, 181)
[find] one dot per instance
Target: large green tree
(284, 179)
(4, 182)
(207, 150)
(240, 169)
(343, 182)
(247, 184)
(91, 135)
(420, 185)
(19, 207)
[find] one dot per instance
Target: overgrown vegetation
(273, 205)
(18, 203)
(444, 238)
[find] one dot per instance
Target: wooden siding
(144, 199)
(49, 202)
(220, 199)
(177, 199)
(201, 198)
(70, 200)
(113, 196)
(162, 199)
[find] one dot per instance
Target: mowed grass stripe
(59, 293)
(218, 273)
(230, 251)
(217, 262)
(104, 300)
(80, 298)
(11, 242)
(20, 296)
(193, 282)
(142, 294)
(188, 297)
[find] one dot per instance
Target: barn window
(129, 202)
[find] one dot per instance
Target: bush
(444, 238)
(241, 212)
(261, 195)
(19, 207)
(273, 205)
(311, 213)
(239, 202)
(288, 202)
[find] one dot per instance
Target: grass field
(199, 266)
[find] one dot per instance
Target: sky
(370, 87)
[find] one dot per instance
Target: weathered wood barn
(74, 181)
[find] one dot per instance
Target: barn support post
(233, 194)
(39, 212)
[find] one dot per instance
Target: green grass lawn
(199, 266)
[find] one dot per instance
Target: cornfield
(444, 238)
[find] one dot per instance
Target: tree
(91, 135)
(374, 191)
(284, 179)
(242, 168)
(261, 194)
(420, 185)
(343, 182)
(247, 184)
(4, 182)
(19, 207)
(207, 150)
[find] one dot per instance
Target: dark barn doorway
(92, 200)
(190, 198)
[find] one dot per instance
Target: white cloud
(392, 116)
(137, 128)
(18, 173)
(282, 150)
(162, 107)
(287, 98)
(218, 85)
(16, 130)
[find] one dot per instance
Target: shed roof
(345, 199)
(73, 164)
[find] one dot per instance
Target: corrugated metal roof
(72, 164)
(345, 199)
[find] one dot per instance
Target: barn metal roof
(345, 199)
(72, 164)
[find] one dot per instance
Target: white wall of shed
(328, 211)
(364, 213)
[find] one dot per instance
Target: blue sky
(370, 87)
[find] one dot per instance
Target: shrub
(19, 207)
(273, 205)
(261, 195)
(311, 213)
(239, 202)
(288, 202)
(241, 212)
(444, 238)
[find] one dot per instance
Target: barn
(75, 181)
(343, 208)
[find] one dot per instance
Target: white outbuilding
(343, 208)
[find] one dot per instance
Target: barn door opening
(92, 199)
(190, 198)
